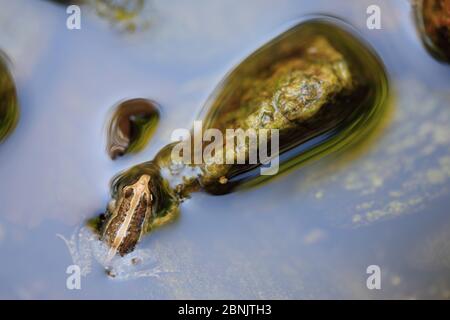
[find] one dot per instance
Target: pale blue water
(310, 234)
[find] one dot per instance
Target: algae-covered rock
(433, 20)
(9, 109)
(131, 126)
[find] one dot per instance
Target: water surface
(309, 234)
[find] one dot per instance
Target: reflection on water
(310, 234)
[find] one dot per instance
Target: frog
(129, 217)
(110, 239)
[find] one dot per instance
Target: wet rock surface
(9, 109)
(131, 126)
(433, 18)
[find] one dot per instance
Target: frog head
(128, 215)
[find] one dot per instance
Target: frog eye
(128, 192)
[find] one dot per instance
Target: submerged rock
(131, 126)
(9, 108)
(433, 21)
(125, 15)
(317, 83)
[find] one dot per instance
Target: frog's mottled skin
(128, 217)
